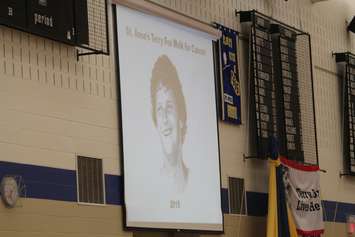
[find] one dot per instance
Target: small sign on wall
(229, 76)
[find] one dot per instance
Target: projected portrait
(169, 127)
(169, 117)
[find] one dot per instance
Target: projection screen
(169, 124)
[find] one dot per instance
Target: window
(90, 180)
(237, 196)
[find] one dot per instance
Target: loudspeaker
(351, 26)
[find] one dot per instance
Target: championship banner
(302, 190)
(229, 76)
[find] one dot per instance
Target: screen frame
(121, 148)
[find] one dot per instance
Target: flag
(302, 189)
(229, 75)
(279, 221)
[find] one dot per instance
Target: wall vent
(237, 201)
(90, 180)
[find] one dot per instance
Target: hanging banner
(303, 197)
(229, 76)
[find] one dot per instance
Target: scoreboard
(61, 20)
(13, 13)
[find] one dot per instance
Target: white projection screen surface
(169, 124)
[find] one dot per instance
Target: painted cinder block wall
(54, 108)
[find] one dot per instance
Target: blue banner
(229, 76)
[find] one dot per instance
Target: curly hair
(164, 74)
